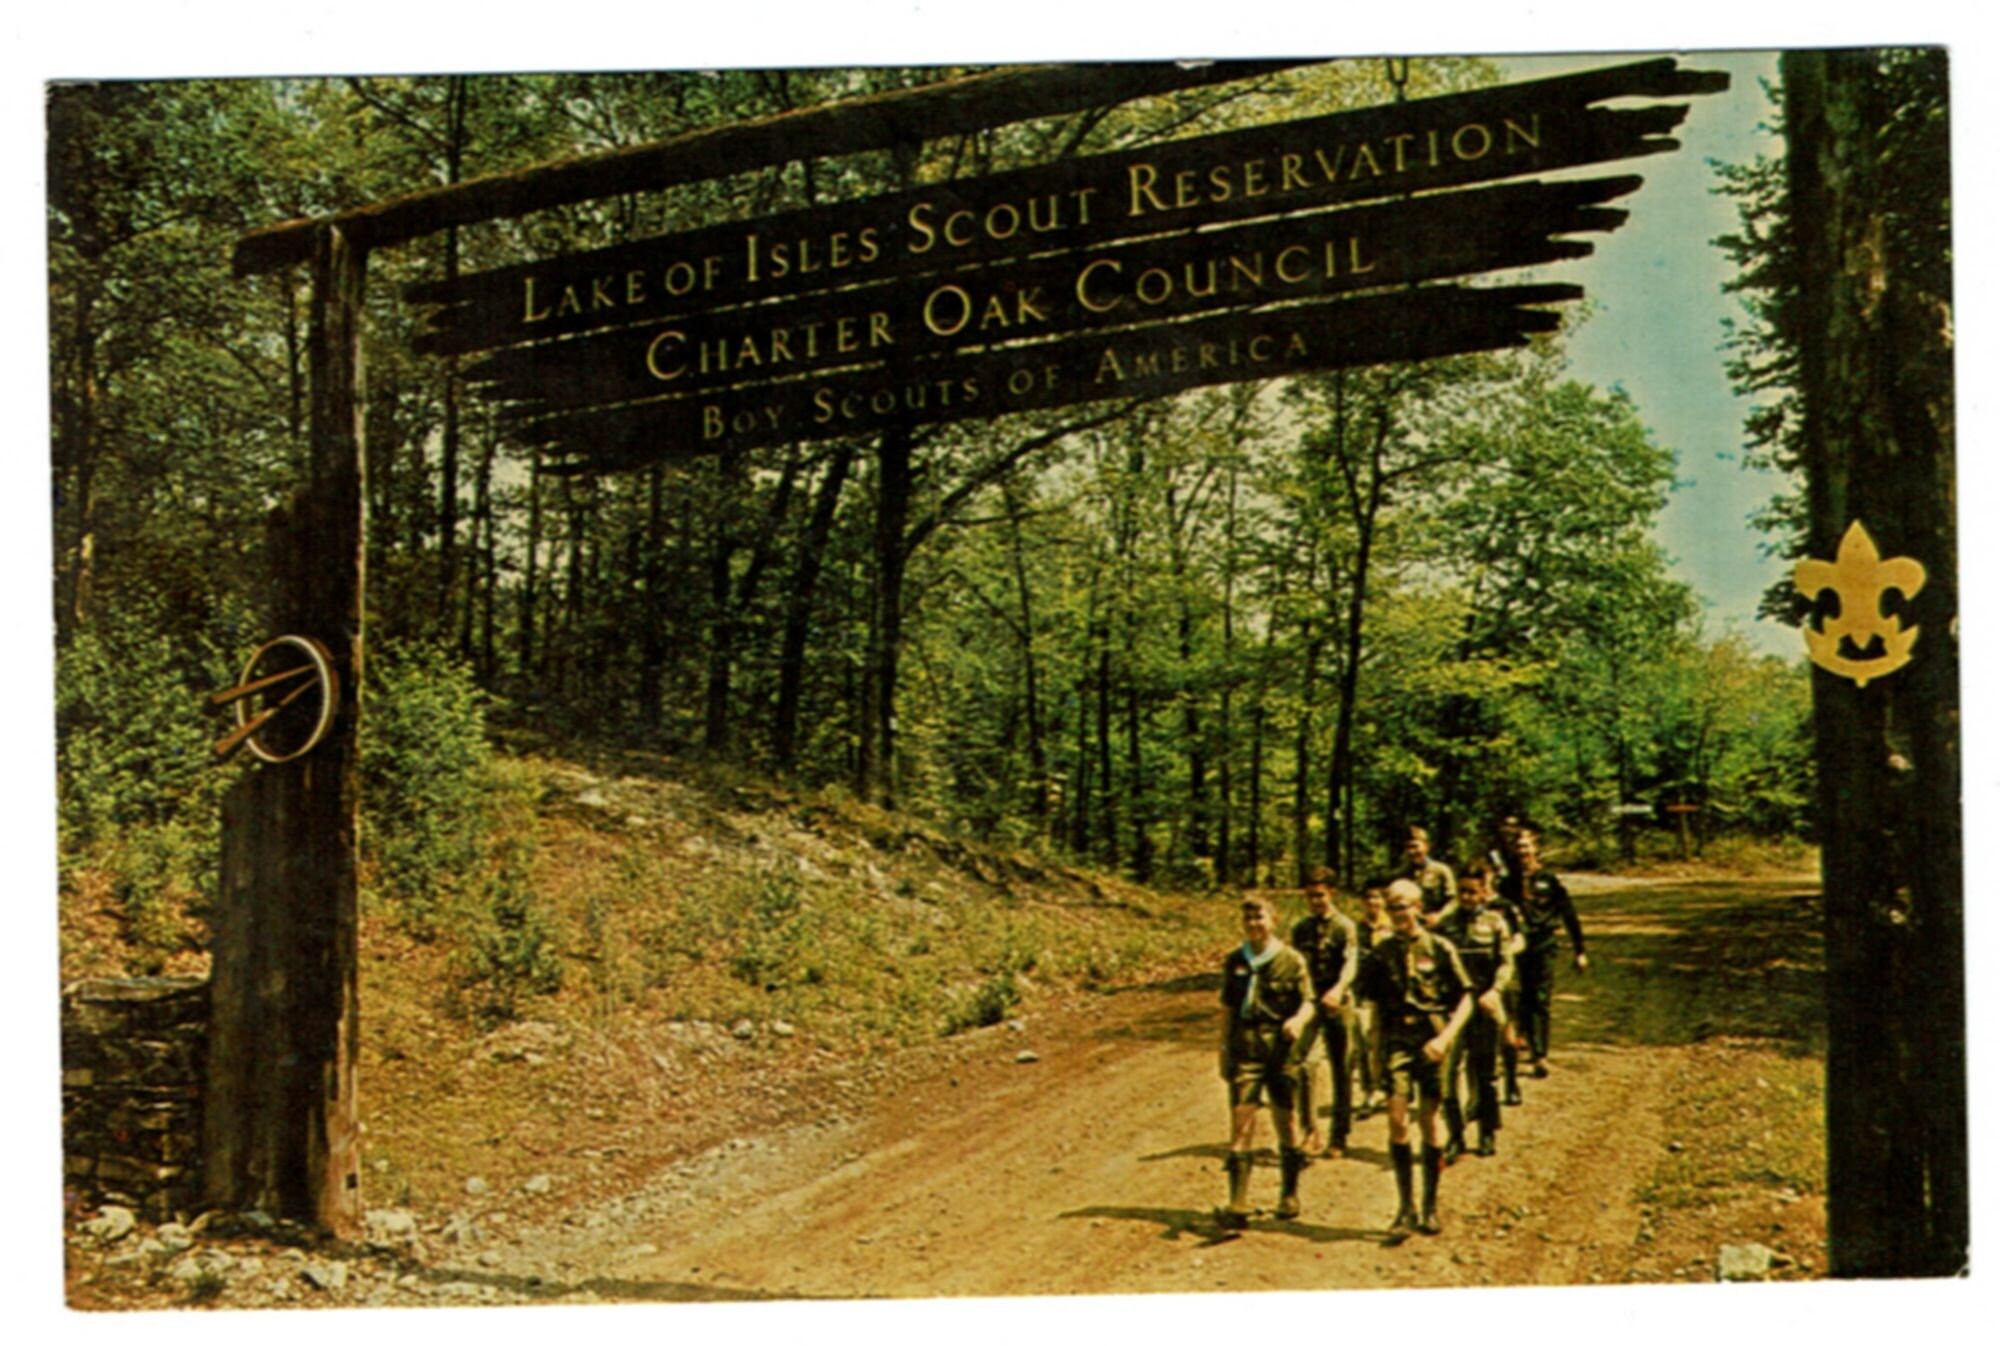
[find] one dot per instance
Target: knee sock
(1404, 1161)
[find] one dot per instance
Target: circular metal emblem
(293, 679)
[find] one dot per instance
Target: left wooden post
(281, 1128)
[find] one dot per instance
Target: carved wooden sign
(1314, 243)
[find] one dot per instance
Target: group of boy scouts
(1431, 998)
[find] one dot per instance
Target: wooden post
(1879, 450)
(280, 1124)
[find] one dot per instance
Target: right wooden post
(1875, 381)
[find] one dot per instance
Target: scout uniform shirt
(1437, 882)
(1261, 997)
(1368, 936)
(1416, 982)
(1329, 944)
(1481, 941)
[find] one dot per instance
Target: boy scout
(1511, 1040)
(1266, 1005)
(1485, 944)
(1373, 927)
(1432, 877)
(1422, 999)
(1326, 940)
(1545, 909)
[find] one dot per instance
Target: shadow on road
(606, 1287)
(1202, 1225)
(1680, 964)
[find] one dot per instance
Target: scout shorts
(1411, 1075)
(1264, 1068)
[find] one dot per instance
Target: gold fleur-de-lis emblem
(1859, 577)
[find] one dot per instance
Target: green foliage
(509, 950)
(1908, 120)
(131, 738)
(161, 874)
(984, 1005)
(423, 777)
(778, 938)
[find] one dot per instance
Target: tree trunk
(1878, 431)
(653, 626)
(722, 621)
(457, 94)
(894, 487)
(80, 455)
(1225, 754)
(798, 609)
(530, 573)
(1302, 752)
(1038, 766)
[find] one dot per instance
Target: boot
(1454, 1120)
(1509, 1060)
(1290, 1162)
(1427, 1223)
(1406, 1217)
(1236, 1215)
(1489, 1121)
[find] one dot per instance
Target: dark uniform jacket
(1482, 941)
(1330, 946)
(1545, 908)
(1415, 982)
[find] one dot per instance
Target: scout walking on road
(1432, 877)
(1422, 1000)
(1485, 944)
(1326, 940)
(1511, 1040)
(1545, 910)
(1266, 1005)
(1373, 927)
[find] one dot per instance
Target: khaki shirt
(1416, 983)
(1328, 944)
(1436, 879)
(1483, 946)
(1281, 986)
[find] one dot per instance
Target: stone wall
(133, 1057)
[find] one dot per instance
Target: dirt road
(1095, 1166)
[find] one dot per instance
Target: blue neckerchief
(1256, 961)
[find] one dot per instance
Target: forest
(1214, 639)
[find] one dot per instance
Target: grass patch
(1742, 1117)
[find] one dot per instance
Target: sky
(1655, 291)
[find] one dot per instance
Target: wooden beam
(1880, 446)
(280, 1126)
(1357, 154)
(1142, 362)
(906, 116)
(1291, 258)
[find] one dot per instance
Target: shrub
(778, 943)
(131, 742)
(424, 760)
(983, 1006)
(510, 949)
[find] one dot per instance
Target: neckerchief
(1256, 962)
